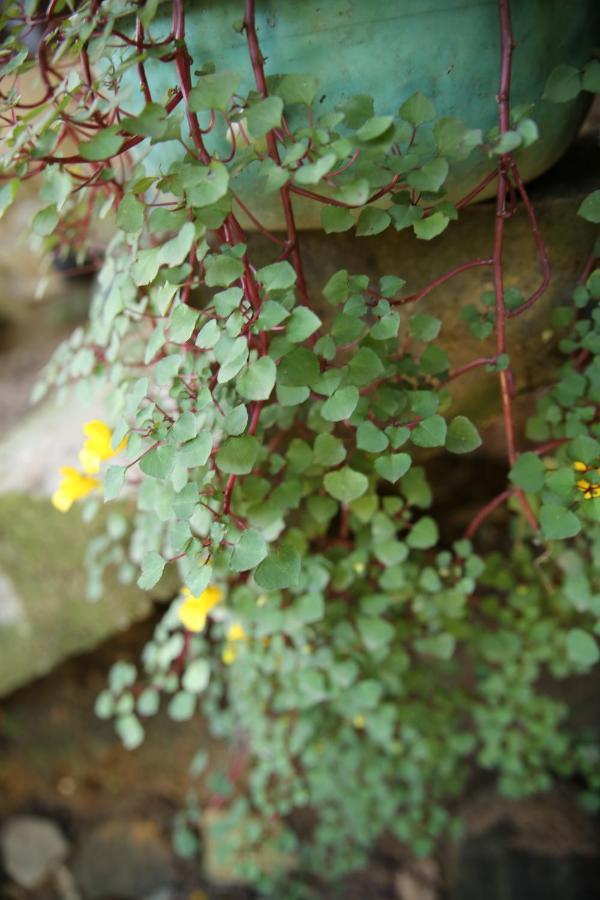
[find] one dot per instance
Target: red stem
(505, 376)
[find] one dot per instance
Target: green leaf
(387, 327)
(195, 452)
(591, 77)
(431, 432)
(175, 251)
(365, 366)
(440, 645)
(196, 676)
(508, 142)
(582, 648)
(236, 420)
(345, 484)
(222, 270)
(148, 702)
(558, 523)
(130, 215)
(371, 438)
(205, 185)
(280, 569)
(185, 428)
(298, 368)
(528, 472)
(312, 173)
(237, 455)
(130, 731)
(393, 467)
(341, 404)
(214, 91)
(158, 463)
(182, 324)
(302, 323)
(563, 84)
(8, 192)
(113, 482)
(258, 380)
(45, 221)
(375, 633)
(462, 436)
(151, 122)
(423, 535)
(335, 219)
(264, 115)
(102, 145)
(278, 276)
(182, 706)
(152, 568)
(298, 88)
(424, 327)
(429, 228)
(329, 450)
(250, 550)
(374, 128)
(590, 208)
(372, 220)
(354, 193)
(430, 177)
(417, 109)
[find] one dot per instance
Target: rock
(539, 848)
(45, 615)
(420, 882)
(32, 849)
(124, 859)
(48, 437)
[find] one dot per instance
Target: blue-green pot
(447, 49)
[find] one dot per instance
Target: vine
(274, 442)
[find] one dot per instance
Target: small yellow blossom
(97, 447)
(229, 655)
(235, 632)
(359, 721)
(589, 489)
(193, 611)
(73, 486)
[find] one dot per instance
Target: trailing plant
(273, 440)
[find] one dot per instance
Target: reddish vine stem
(486, 510)
(257, 61)
(442, 279)
(539, 242)
(505, 376)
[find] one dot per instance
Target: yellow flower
(194, 610)
(359, 721)
(235, 632)
(73, 486)
(580, 466)
(229, 655)
(97, 447)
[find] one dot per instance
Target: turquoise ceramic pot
(447, 49)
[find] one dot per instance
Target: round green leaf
(345, 484)
(281, 569)
(558, 523)
(462, 436)
(257, 381)
(582, 648)
(237, 455)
